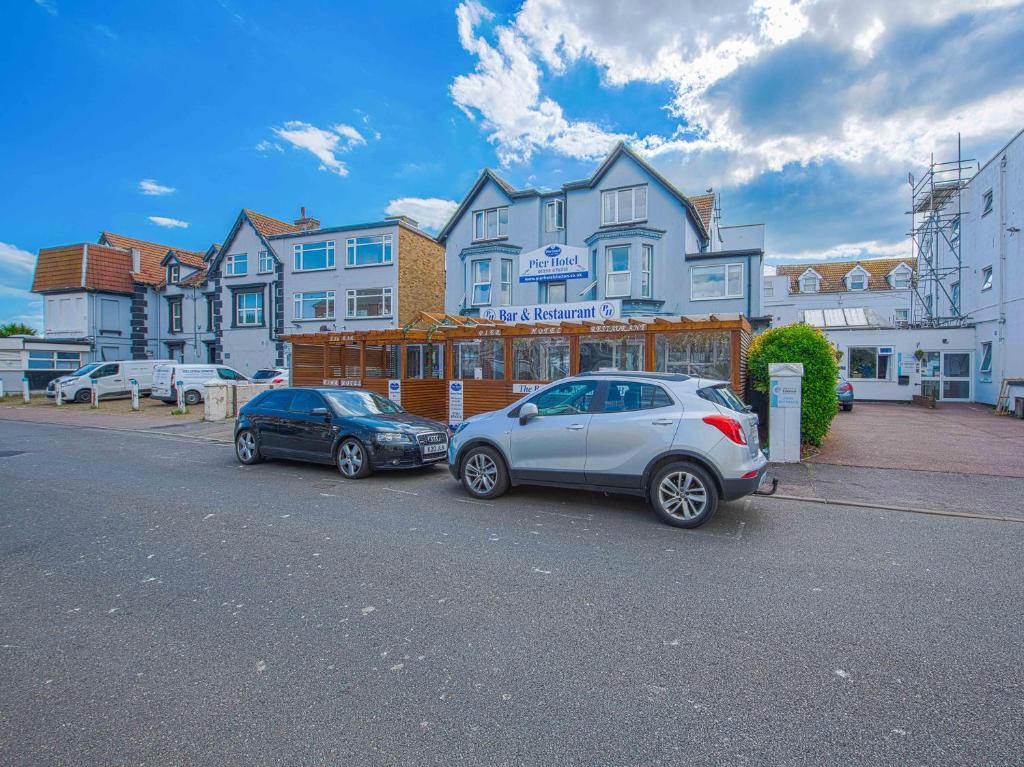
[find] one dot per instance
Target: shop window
(619, 206)
(703, 354)
(383, 361)
(618, 276)
(236, 264)
(612, 352)
(424, 361)
(537, 358)
(481, 283)
(310, 256)
(985, 369)
(368, 302)
(375, 250)
(720, 281)
(490, 224)
(554, 216)
(870, 363)
(480, 358)
(316, 305)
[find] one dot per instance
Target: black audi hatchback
(356, 430)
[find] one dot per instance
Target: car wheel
(192, 397)
(352, 459)
(483, 473)
(848, 407)
(82, 396)
(684, 495)
(247, 448)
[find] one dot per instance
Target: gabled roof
(185, 257)
(265, 226)
(701, 215)
(833, 273)
(195, 279)
(151, 255)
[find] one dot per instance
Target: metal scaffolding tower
(935, 211)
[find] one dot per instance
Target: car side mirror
(527, 413)
(322, 412)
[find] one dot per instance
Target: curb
(907, 509)
(153, 432)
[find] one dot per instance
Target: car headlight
(393, 438)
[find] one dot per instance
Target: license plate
(440, 447)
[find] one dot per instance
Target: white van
(193, 378)
(113, 379)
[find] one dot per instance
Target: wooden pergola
(498, 362)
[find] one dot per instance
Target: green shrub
(800, 343)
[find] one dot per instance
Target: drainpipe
(1002, 270)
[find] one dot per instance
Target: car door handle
(663, 421)
(575, 426)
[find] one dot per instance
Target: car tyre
(847, 406)
(684, 495)
(352, 459)
(247, 447)
(192, 397)
(83, 396)
(484, 475)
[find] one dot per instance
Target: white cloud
(151, 188)
(169, 223)
(430, 212)
(16, 258)
(847, 251)
(267, 146)
(47, 5)
(865, 113)
(324, 144)
(9, 291)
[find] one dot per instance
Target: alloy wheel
(246, 446)
(683, 495)
(350, 459)
(481, 473)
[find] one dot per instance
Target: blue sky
(161, 120)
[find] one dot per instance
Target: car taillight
(846, 387)
(277, 380)
(730, 427)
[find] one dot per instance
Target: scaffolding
(935, 210)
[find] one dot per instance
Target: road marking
(907, 509)
(394, 490)
(475, 503)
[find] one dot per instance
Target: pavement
(164, 605)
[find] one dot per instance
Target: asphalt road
(161, 605)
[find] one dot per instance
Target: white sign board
(395, 391)
(554, 262)
(785, 392)
(454, 403)
(525, 388)
(343, 382)
(580, 310)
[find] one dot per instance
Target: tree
(16, 329)
(800, 343)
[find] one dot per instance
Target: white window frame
(241, 311)
(899, 274)
(175, 312)
(480, 224)
(474, 283)
(554, 216)
(173, 273)
(505, 285)
(646, 271)
(299, 252)
(986, 278)
(810, 276)
(769, 287)
(726, 268)
(903, 315)
(609, 273)
(985, 371)
(265, 263)
(616, 217)
(351, 304)
(352, 245)
(299, 300)
(564, 285)
(878, 355)
(231, 265)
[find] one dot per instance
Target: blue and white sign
(580, 310)
(454, 403)
(395, 391)
(554, 262)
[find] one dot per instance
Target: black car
(356, 430)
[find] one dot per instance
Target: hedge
(800, 343)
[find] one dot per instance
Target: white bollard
(785, 397)
(25, 395)
(135, 394)
(181, 397)
(94, 390)
(2, 394)
(58, 394)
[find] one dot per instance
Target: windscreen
(356, 403)
(85, 369)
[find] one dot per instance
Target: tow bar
(775, 487)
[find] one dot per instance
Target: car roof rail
(636, 374)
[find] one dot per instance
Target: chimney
(304, 222)
(405, 220)
(136, 260)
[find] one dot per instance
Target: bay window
(490, 224)
(373, 250)
(617, 283)
(719, 281)
(481, 275)
(506, 281)
(646, 271)
(368, 302)
(619, 206)
(314, 305)
(310, 256)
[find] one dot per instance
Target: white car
(111, 379)
(272, 376)
(683, 443)
(193, 380)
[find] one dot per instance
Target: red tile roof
(196, 278)
(107, 269)
(833, 273)
(268, 226)
(189, 258)
(705, 206)
(151, 254)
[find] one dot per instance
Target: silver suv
(683, 443)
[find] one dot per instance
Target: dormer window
(857, 279)
(173, 274)
(899, 278)
(810, 282)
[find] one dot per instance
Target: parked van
(113, 379)
(193, 378)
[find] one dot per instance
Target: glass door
(946, 376)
